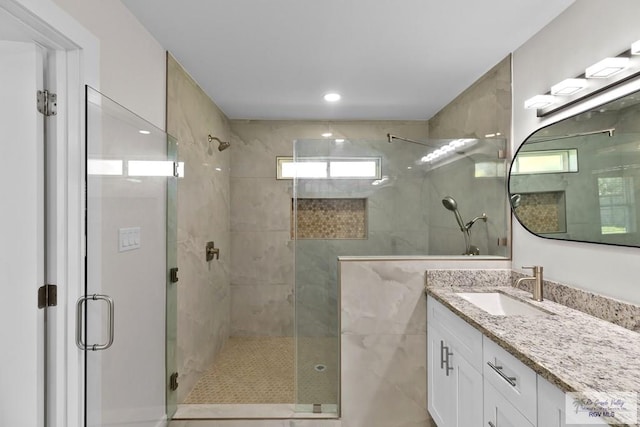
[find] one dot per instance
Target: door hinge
(47, 103)
(47, 296)
(173, 275)
(173, 381)
(502, 154)
(502, 241)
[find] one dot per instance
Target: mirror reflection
(579, 179)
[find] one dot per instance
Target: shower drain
(320, 368)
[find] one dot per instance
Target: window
(329, 167)
(617, 205)
(548, 161)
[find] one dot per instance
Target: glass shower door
(131, 174)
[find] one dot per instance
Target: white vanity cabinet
(473, 382)
(454, 360)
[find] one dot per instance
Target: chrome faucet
(537, 282)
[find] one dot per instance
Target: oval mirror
(579, 179)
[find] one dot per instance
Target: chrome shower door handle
(79, 318)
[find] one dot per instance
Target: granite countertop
(573, 350)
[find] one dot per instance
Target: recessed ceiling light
(568, 87)
(144, 132)
(539, 101)
(332, 97)
(327, 134)
(606, 68)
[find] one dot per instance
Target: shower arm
(482, 217)
(391, 137)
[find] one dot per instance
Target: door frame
(75, 62)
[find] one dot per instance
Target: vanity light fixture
(599, 77)
(539, 101)
(568, 87)
(606, 68)
(332, 97)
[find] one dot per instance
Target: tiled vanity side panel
(383, 339)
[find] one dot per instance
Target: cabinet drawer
(499, 412)
(511, 378)
(464, 338)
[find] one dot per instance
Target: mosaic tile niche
(329, 218)
(543, 212)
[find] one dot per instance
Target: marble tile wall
(203, 215)
(482, 110)
(383, 339)
(262, 269)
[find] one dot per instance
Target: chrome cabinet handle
(449, 354)
(498, 369)
(79, 329)
(444, 357)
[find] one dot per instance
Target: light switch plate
(128, 239)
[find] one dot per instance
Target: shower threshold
(252, 411)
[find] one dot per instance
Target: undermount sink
(499, 304)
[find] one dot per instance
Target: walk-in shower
(345, 197)
(451, 204)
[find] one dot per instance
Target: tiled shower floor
(249, 370)
(261, 370)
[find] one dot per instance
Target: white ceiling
(390, 59)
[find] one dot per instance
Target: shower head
(450, 203)
(515, 199)
(222, 145)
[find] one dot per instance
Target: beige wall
(203, 215)
(573, 41)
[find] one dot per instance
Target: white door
(22, 235)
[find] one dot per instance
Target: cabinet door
(439, 385)
(468, 393)
(551, 406)
(499, 412)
